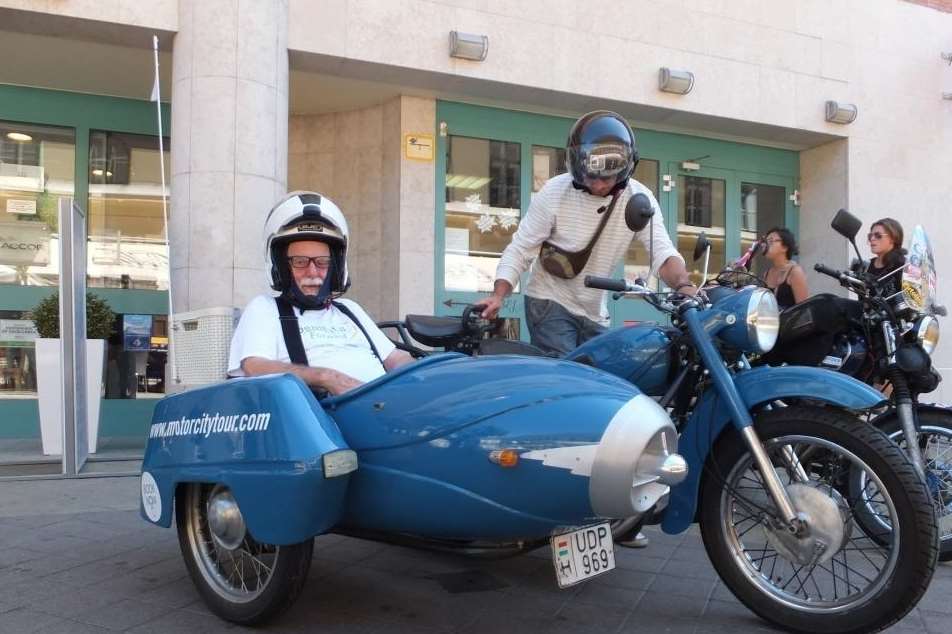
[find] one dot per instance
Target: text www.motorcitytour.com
(209, 424)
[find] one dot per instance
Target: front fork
(905, 403)
(740, 415)
(906, 410)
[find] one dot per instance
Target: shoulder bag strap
(343, 308)
(604, 221)
(291, 331)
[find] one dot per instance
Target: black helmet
(601, 145)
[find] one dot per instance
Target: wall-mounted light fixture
(679, 82)
(837, 112)
(469, 46)
(19, 136)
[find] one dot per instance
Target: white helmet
(305, 216)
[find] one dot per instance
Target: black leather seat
(437, 332)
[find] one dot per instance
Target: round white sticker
(151, 500)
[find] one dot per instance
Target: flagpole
(156, 97)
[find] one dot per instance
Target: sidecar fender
(757, 386)
(267, 439)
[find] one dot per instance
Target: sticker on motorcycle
(582, 554)
(151, 500)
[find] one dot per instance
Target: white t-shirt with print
(331, 339)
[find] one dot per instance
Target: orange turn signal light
(504, 457)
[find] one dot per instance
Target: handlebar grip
(821, 268)
(606, 283)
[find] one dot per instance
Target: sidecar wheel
(240, 579)
(838, 578)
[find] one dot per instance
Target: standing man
(567, 221)
(566, 216)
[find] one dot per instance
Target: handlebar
(606, 283)
(822, 268)
(841, 276)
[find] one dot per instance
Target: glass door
(37, 170)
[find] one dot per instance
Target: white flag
(155, 82)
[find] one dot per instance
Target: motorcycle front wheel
(241, 580)
(834, 576)
(935, 444)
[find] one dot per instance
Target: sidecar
(489, 454)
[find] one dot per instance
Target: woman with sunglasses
(885, 241)
(785, 277)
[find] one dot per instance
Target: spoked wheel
(240, 579)
(832, 575)
(935, 443)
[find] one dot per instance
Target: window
(126, 227)
(36, 172)
(483, 195)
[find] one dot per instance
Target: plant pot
(49, 388)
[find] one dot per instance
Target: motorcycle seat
(433, 331)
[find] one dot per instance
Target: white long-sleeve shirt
(568, 218)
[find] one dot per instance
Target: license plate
(582, 554)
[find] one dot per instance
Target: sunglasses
(875, 235)
(303, 261)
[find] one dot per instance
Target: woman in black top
(885, 241)
(785, 277)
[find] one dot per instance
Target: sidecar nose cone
(635, 462)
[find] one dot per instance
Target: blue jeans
(554, 329)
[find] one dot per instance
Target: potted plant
(49, 368)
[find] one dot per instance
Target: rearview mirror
(846, 224)
(702, 245)
(638, 212)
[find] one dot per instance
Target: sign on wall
(24, 243)
(22, 207)
(136, 333)
(17, 333)
(418, 147)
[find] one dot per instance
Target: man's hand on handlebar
(490, 305)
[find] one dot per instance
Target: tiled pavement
(76, 558)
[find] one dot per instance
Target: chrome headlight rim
(763, 320)
(927, 333)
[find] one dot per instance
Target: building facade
(433, 158)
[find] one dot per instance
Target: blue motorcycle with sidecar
(495, 454)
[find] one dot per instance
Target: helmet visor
(604, 160)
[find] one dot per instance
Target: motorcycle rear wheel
(884, 579)
(241, 580)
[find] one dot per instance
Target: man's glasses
(875, 234)
(303, 261)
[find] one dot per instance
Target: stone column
(229, 147)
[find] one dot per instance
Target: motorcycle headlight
(752, 319)
(763, 320)
(927, 333)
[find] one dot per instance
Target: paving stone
(639, 623)
(695, 589)
(67, 601)
(25, 620)
(663, 605)
(935, 622)
(67, 626)
(121, 615)
(580, 617)
(184, 622)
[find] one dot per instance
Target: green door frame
(83, 113)
(735, 162)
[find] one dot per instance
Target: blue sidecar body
(424, 450)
